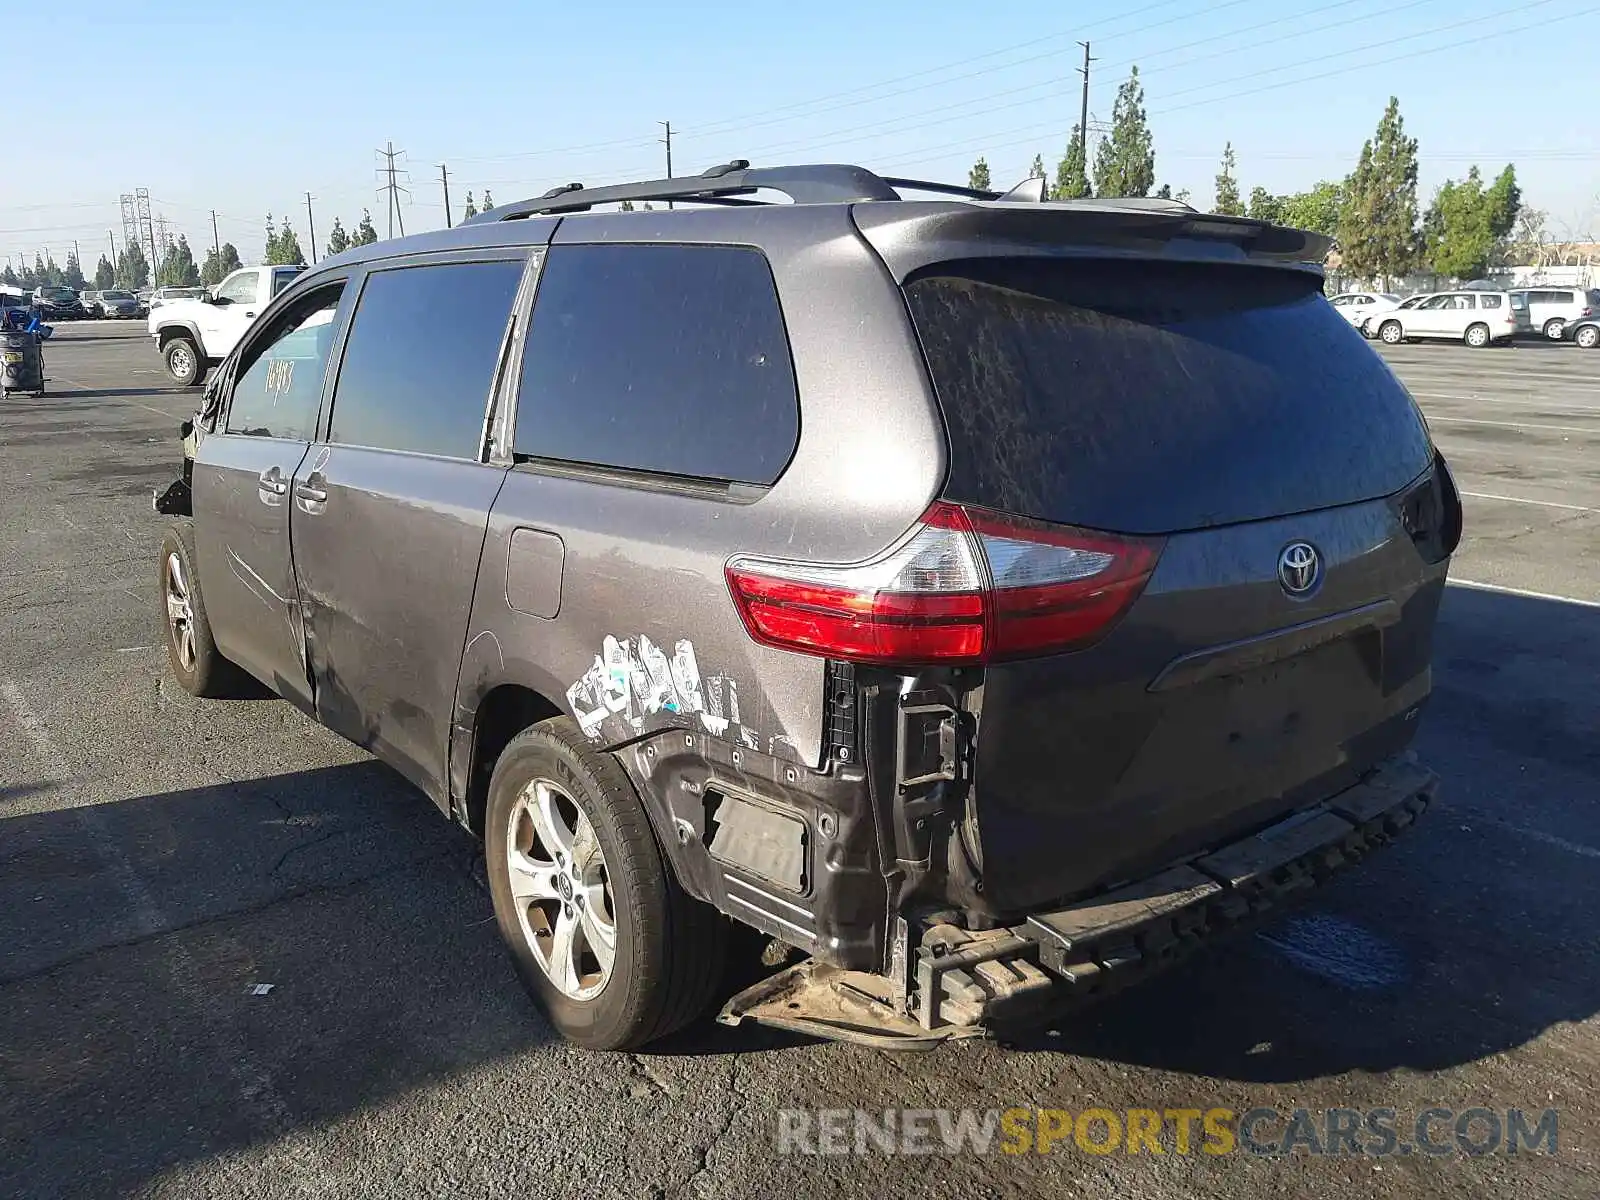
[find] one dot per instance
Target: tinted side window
(421, 357)
(1488, 301)
(277, 395)
(670, 359)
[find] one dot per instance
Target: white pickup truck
(195, 335)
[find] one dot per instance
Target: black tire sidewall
(1471, 329)
(1391, 341)
(628, 1002)
(1594, 338)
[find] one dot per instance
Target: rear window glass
(421, 357)
(1519, 300)
(1151, 397)
(667, 359)
(1488, 301)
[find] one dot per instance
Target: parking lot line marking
(1477, 586)
(116, 399)
(1549, 839)
(1476, 398)
(1433, 417)
(1525, 500)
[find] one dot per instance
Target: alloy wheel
(180, 613)
(561, 889)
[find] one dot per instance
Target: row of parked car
(62, 303)
(1476, 316)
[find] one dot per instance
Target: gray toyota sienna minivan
(988, 598)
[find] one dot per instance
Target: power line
(1378, 45)
(987, 144)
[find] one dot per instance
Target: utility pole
(216, 241)
(1083, 120)
(112, 238)
(393, 189)
(311, 224)
(444, 179)
(76, 257)
(667, 125)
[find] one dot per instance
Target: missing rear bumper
(962, 984)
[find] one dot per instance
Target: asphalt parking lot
(160, 857)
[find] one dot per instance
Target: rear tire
(667, 949)
(1554, 328)
(1391, 333)
(1477, 336)
(184, 362)
(197, 664)
(1587, 337)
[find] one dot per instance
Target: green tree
(1504, 198)
(1072, 176)
(73, 274)
(1317, 210)
(1466, 228)
(1125, 163)
(177, 266)
(1378, 221)
(338, 240)
(10, 278)
(283, 248)
(133, 269)
(626, 206)
(1164, 192)
(1227, 202)
(471, 209)
(978, 178)
(488, 200)
(1037, 171)
(1264, 206)
(365, 234)
(105, 275)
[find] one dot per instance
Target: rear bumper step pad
(1159, 919)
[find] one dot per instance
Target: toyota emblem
(1299, 569)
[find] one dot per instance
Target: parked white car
(1356, 307)
(1552, 309)
(195, 335)
(1476, 318)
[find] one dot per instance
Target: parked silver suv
(1552, 309)
(987, 598)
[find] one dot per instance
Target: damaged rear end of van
(1152, 660)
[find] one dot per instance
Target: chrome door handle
(272, 481)
(314, 494)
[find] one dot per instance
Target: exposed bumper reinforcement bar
(963, 983)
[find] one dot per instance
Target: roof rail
(734, 183)
(728, 183)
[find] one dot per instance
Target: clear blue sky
(245, 108)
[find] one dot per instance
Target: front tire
(197, 664)
(614, 951)
(1391, 333)
(1477, 336)
(184, 362)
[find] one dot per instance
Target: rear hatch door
(1225, 412)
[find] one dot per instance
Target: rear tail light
(965, 585)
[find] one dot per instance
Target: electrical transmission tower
(130, 223)
(391, 188)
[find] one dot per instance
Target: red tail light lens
(964, 586)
